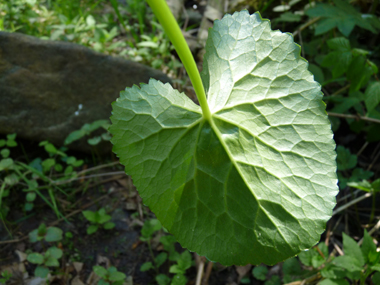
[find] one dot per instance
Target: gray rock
(44, 83)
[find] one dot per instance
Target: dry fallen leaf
(131, 205)
(92, 279)
(103, 261)
(128, 281)
(242, 271)
(78, 266)
(21, 255)
(76, 281)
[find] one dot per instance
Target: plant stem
(353, 202)
(168, 22)
(200, 271)
(351, 116)
(341, 90)
(208, 272)
(152, 255)
(312, 21)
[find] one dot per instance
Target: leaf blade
(224, 187)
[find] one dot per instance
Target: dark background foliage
(43, 183)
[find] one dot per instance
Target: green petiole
(171, 28)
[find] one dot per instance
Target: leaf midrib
(263, 142)
(262, 167)
(218, 134)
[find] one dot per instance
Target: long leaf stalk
(171, 28)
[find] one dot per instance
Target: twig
(208, 273)
(78, 211)
(98, 167)
(59, 220)
(357, 117)
(349, 204)
(374, 229)
(327, 95)
(337, 248)
(320, 252)
(362, 149)
(337, 223)
(92, 169)
(306, 25)
(373, 161)
(200, 271)
(341, 90)
(14, 240)
(349, 195)
(100, 182)
(375, 150)
(89, 176)
(311, 279)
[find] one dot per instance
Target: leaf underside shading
(255, 183)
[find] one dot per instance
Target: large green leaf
(352, 249)
(255, 183)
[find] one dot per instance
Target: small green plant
(289, 268)
(5, 276)
(68, 241)
(109, 276)
(149, 228)
(182, 261)
(10, 141)
(260, 272)
(7, 165)
(36, 175)
(50, 234)
(371, 187)
(51, 256)
(62, 20)
(347, 162)
(156, 51)
(357, 263)
(354, 267)
(87, 130)
(43, 261)
(98, 219)
(168, 241)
